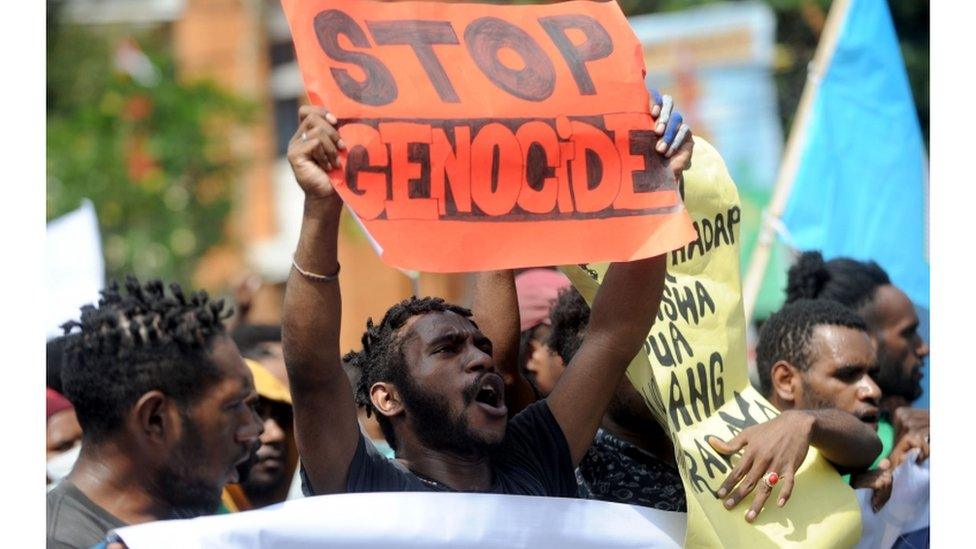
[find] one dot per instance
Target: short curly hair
(844, 280)
(569, 316)
(786, 335)
(135, 341)
(382, 359)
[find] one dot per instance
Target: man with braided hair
(428, 370)
(165, 404)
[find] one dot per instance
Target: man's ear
(785, 379)
(152, 415)
(386, 398)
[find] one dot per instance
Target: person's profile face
(839, 376)
(901, 350)
(218, 431)
(449, 359)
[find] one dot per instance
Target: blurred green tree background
(153, 153)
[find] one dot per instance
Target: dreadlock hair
(135, 341)
(382, 359)
(569, 316)
(787, 333)
(847, 281)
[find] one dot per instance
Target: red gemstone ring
(771, 479)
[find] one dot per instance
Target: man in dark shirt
(165, 404)
(428, 371)
(533, 460)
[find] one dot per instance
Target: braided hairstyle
(136, 340)
(570, 316)
(382, 359)
(787, 333)
(844, 280)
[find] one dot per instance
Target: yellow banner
(693, 375)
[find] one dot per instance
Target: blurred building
(245, 46)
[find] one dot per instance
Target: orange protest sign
(484, 137)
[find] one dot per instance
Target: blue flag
(861, 185)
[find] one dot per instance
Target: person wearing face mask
(63, 437)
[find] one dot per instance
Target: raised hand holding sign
(469, 128)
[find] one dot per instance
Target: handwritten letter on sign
(486, 137)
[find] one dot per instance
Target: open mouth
(869, 417)
(491, 395)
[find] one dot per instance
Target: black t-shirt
(73, 520)
(534, 461)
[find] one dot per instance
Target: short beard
(890, 379)
(815, 400)
(436, 429)
(177, 484)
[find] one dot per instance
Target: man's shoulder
(534, 416)
(371, 471)
(58, 497)
(73, 520)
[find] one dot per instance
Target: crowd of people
(161, 406)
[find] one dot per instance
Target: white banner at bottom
(421, 519)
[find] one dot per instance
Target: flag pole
(791, 157)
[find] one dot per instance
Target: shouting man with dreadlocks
(428, 372)
(165, 404)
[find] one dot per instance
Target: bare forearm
(624, 309)
(495, 309)
(621, 317)
(843, 439)
(326, 429)
(312, 309)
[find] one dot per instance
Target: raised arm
(622, 313)
(326, 427)
(620, 319)
(495, 309)
(780, 445)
